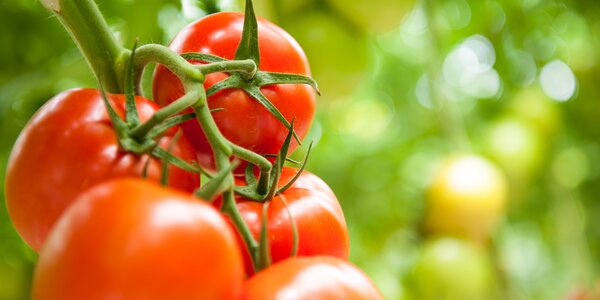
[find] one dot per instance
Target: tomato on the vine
(315, 211)
(69, 145)
(317, 277)
(132, 239)
(242, 119)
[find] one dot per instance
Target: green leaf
(255, 93)
(209, 58)
(270, 78)
(131, 114)
(248, 47)
(279, 161)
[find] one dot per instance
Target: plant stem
(175, 107)
(89, 30)
(248, 66)
(163, 55)
(222, 150)
(259, 160)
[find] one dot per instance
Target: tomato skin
(68, 146)
(243, 120)
(316, 277)
(313, 207)
(133, 239)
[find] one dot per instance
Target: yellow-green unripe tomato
(466, 198)
(452, 269)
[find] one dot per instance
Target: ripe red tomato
(132, 239)
(69, 145)
(317, 277)
(242, 119)
(316, 212)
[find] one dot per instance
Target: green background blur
(405, 84)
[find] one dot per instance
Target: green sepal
(295, 238)
(168, 123)
(134, 146)
(249, 192)
(209, 58)
(264, 253)
(249, 175)
(118, 124)
(255, 93)
(279, 162)
(287, 159)
(176, 161)
(217, 184)
(145, 168)
(297, 175)
(164, 174)
(270, 78)
(132, 118)
(248, 47)
(233, 81)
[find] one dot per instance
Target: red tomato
(132, 239)
(316, 212)
(69, 145)
(243, 120)
(317, 277)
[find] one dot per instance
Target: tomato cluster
(83, 183)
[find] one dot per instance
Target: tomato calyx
(248, 77)
(141, 138)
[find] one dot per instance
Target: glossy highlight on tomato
(317, 277)
(133, 239)
(242, 119)
(69, 145)
(315, 211)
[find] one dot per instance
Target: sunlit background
(461, 137)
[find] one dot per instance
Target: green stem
(89, 30)
(259, 160)
(247, 65)
(177, 106)
(222, 151)
(146, 54)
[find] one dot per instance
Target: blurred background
(458, 135)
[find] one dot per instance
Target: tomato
(375, 16)
(466, 198)
(313, 207)
(133, 239)
(69, 145)
(452, 269)
(317, 277)
(242, 119)
(338, 54)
